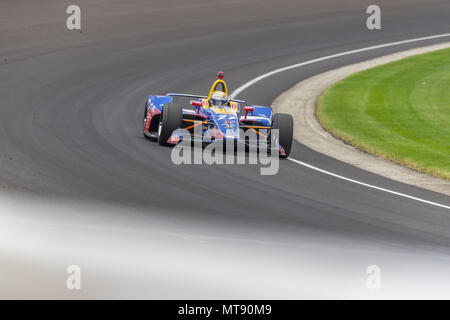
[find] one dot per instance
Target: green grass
(399, 111)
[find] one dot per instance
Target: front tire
(170, 120)
(285, 124)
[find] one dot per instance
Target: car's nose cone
(228, 126)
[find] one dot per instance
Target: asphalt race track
(72, 103)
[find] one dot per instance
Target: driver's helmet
(219, 98)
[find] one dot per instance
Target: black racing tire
(144, 119)
(285, 124)
(171, 119)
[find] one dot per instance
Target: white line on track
(391, 44)
(337, 55)
(368, 185)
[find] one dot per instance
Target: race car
(218, 116)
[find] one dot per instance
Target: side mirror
(196, 103)
(248, 109)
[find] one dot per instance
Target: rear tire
(170, 120)
(285, 124)
(144, 120)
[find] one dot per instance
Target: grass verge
(399, 111)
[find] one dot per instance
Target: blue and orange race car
(219, 118)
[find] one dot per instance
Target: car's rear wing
(199, 97)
